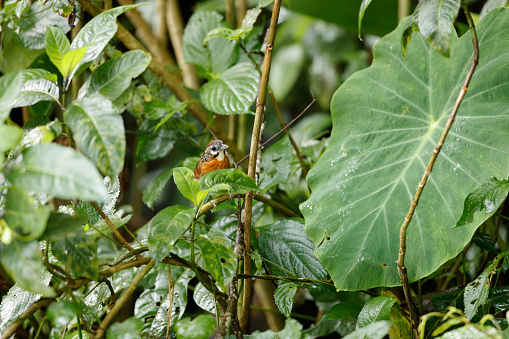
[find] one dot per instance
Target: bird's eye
(214, 148)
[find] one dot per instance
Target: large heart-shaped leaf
(386, 121)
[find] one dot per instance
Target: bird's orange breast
(209, 166)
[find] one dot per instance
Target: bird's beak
(223, 147)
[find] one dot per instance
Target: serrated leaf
(78, 253)
(10, 86)
(362, 9)
(283, 296)
(435, 20)
(22, 261)
(128, 329)
(233, 92)
(239, 33)
(376, 330)
(114, 76)
(21, 211)
(186, 183)
(286, 244)
(376, 309)
(219, 258)
(487, 197)
(59, 171)
(156, 186)
(364, 181)
(99, 132)
(57, 46)
(204, 298)
(276, 164)
(166, 228)
(218, 55)
(238, 181)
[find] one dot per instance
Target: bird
(213, 158)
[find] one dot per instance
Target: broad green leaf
(362, 9)
(218, 55)
(292, 329)
(239, 33)
(487, 197)
(238, 181)
(156, 186)
(96, 34)
(78, 253)
(10, 137)
(186, 183)
(113, 77)
(435, 20)
(347, 309)
(286, 69)
(128, 329)
(375, 310)
(283, 296)
(490, 5)
(59, 225)
(203, 326)
(99, 132)
(21, 211)
(152, 143)
(22, 261)
(380, 145)
(34, 91)
(57, 46)
(219, 259)
(484, 241)
(204, 298)
(233, 92)
(59, 171)
(286, 244)
(376, 330)
(166, 228)
(276, 164)
(72, 59)
(10, 86)
(61, 313)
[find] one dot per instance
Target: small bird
(213, 158)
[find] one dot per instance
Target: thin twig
(171, 288)
(260, 105)
(413, 205)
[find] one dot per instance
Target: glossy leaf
(186, 183)
(78, 253)
(347, 309)
(366, 178)
(154, 143)
(204, 298)
(156, 186)
(219, 259)
(233, 92)
(34, 91)
(99, 132)
(239, 33)
(362, 9)
(57, 46)
(10, 86)
(166, 228)
(283, 296)
(486, 198)
(375, 310)
(128, 329)
(376, 330)
(22, 261)
(286, 244)
(276, 164)
(61, 313)
(218, 55)
(21, 211)
(238, 181)
(113, 77)
(484, 241)
(59, 171)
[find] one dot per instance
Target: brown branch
(241, 11)
(260, 105)
(413, 205)
(162, 29)
(13, 327)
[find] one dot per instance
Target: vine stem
(413, 205)
(260, 106)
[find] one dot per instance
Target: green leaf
(218, 55)
(484, 241)
(287, 67)
(201, 327)
(286, 244)
(412, 25)
(376, 330)
(186, 183)
(363, 183)
(59, 171)
(96, 34)
(156, 186)
(166, 228)
(72, 59)
(152, 143)
(57, 46)
(59, 225)
(113, 77)
(487, 197)
(10, 138)
(362, 9)
(238, 181)
(233, 92)
(61, 313)
(218, 257)
(490, 5)
(435, 20)
(99, 132)
(21, 211)
(34, 91)
(204, 298)
(128, 329)
(346, 309)
(239, 33)
(276, 164)
(283, 296)
(292, 329)
(375, 310)
(78, 252)
(22, 261)
(10, 86)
